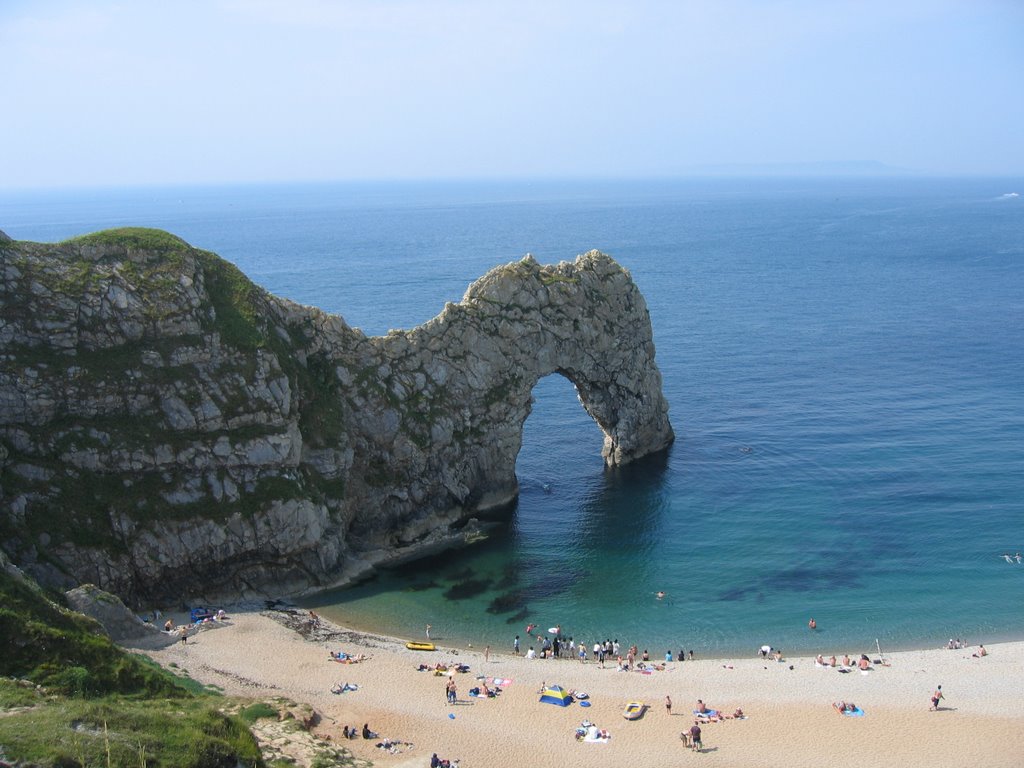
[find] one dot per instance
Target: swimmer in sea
(1018, 557)
(1007, 558)
(659, 594)
(812, 624)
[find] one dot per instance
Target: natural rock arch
(169, 429)
(585, 320)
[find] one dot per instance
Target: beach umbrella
(556, 694)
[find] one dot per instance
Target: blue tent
(556, 694)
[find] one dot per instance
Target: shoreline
(369, 625)
(790, 720)
(716, 655)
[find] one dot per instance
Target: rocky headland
(170, 430)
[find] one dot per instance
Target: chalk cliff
(169, 429)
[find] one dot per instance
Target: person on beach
(531, 654)
(183, 634)
(668, 705)
(695, 741)
(981, 652)
(832, 662)
(515, 646)
(428, 631)
(846, 660)
(700, 707)
(936, 698)
(864, 663)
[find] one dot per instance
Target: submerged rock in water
(466, 589)
(510, 601)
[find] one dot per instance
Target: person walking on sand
(487, 653)
(428, 631)
(515, 646)
(936, 698)
(668, 704)
(695, 741)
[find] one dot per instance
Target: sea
(843, 359)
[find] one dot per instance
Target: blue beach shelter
(557, 695)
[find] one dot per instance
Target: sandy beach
(790, 721)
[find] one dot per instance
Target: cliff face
(167, 428)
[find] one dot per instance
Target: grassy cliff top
(70, 697)
(137, 238)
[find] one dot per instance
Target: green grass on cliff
(82, 701)
(134, 238)
(233, 296)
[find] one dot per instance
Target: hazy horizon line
(852, 170)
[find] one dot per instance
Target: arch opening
(559, 438)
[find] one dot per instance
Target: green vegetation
(96, 705)
(233, 296)
(321, 419)
(134, 238)
(117, 732)
(254, 712)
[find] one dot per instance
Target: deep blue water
(844, 360)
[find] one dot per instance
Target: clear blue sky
(182, 91)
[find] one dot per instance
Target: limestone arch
(585, 320)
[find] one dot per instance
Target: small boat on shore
(634, 710)
(420, 646)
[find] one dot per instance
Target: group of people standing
(556, 646)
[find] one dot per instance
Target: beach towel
(856, 712)
(501, 682)
(591, 734)
(708, 713)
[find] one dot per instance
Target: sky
(101, 92)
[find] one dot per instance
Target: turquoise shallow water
(843, 360)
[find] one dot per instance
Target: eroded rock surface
(167, 428)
